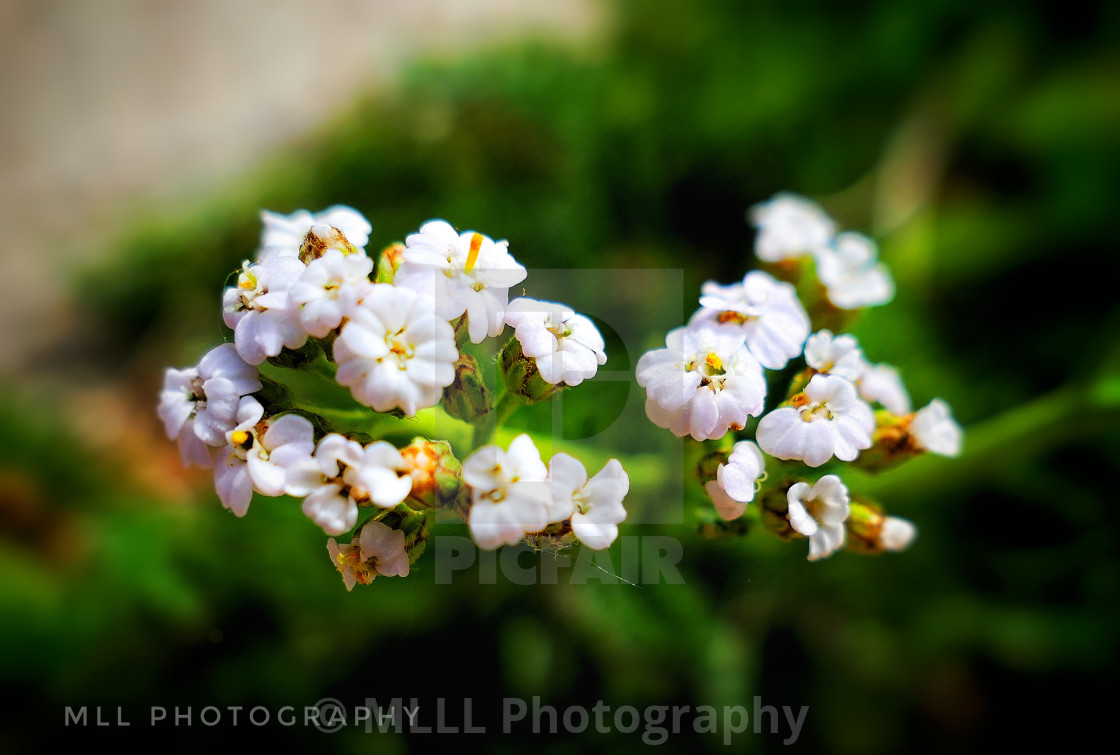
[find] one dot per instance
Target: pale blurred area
(123, 107)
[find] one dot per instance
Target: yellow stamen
(472, 255)
(714, 361)
(239, 437)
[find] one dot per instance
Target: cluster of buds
(709, 381)
(313, 309)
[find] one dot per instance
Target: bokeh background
(980, 143)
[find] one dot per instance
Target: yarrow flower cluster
(335, 360)
(710, 379)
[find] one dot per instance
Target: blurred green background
(980, 143)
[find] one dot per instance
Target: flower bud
(800, 380)
(791, 269)
(708, 465)
(892, 443)
(319, 239)
(467, 398)
(436, 473)
(774, 505)
(870, 531)
(388, 263)
(416, 526)
(554, 537)
(521, 376)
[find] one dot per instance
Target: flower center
(198, 393)
(580, 501)
(811, 410)
(731, 315)
(711, 369)
(400, 347)
(558, 329)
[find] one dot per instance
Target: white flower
(769, 312)
(704, 383)
(198, 405)
(509, 493)
(594, 506)
(827, 420)
(462, 272)
(935, 430)
(395, 352)
(378, 550)
(736, 481)
(341, 475)
(284, 234)
(259, 310)
(881, 384)
(852, 275)
(790, 226)
(835, 355)
(896, 534)
(329, 289)
(566, 346)
(259, 454)
(818, 513)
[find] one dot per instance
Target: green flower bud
(467, 398)
(388, 263)
(709, 464)
(416, 526)
(774, 506)
(871, 531)
(892, 443)
(436, 473)
(800, 380)
(521, 376)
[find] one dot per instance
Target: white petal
(726, 506)
(235, 488)
(897, 534)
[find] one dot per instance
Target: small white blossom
(935, 430)
(260, 311)
(835, 355)
(198, 405)
(828, 420)
(395, 352)
(284, 234)
(768, 310)
(341, 475)
(567, 347)
(259, 454)
(704, 383)
(379, 550)
(594, 506)
(329, 290)
(509, 493)
(736, 481)
(462, 272)
(852, 275)
(896, 534)
(881, 384)
(819, 512)
(790, 226)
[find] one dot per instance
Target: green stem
(487, 426)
